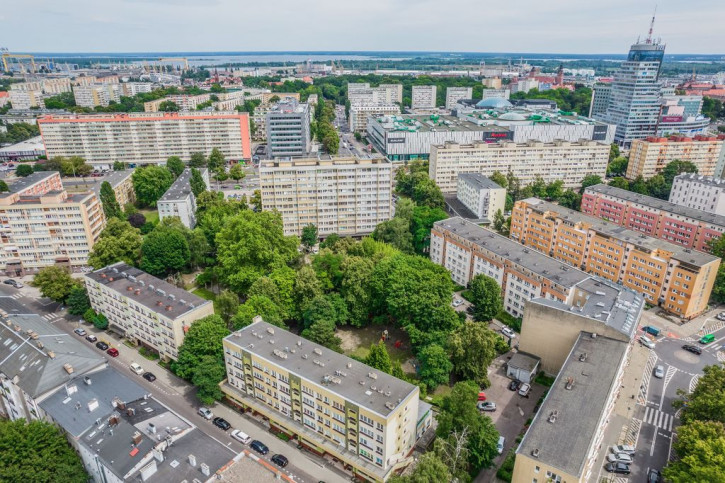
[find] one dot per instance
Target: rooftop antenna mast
(651, 27)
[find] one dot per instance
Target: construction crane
(176, 59)
(7, 55)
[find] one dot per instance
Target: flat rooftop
(175, 301)
(427, 123)
(32, 144)
(576, 413)
(528, 258)
(651, 202)
(180, 189)
(526, 115)
(325, 160)
(612, 230)
(318, 365)
(479, 181)
(21, 184)
(702, 180)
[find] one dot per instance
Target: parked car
(514, 385)
(659, 372)
(14, 283)
(646, 341)
(206, 413)
(113, 352)
(259, 447)
(149, 376)
(221, 423)
(80, 331)
(623, 448)
(651, 329)
(457, 302)
(102, 345)
(692, 348)
(137, 369)
(508, 332)
(486, 406)
(720, 316)
(280, 460)
(621, 468)
(241, 436)
(481, 396)
(706, 339)
(619, 458)
(91, 338)
(500, 444)
(524, 390)
(653, 476)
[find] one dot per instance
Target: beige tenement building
(332, 404)
(560, 160)
(648, 157)
(122, 185)
(41, 225)
(144, 309)
(338, 194)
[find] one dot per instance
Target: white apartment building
(560, 160)
(423, 97)
(27, 99)
(92, 95)
(393, 93)
(359, 114)
(699, 192)
(180, 201)
(481, 195)
(185, 103)
(42, 225)
(26, 95)
(130, 89)
(145, 138)
(495, 93)
(524, 85)
(334, 405)
(384, 94)
(455, 94)
(144, 309)
(338, 194)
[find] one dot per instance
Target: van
(646, 341)
(652, 330)
(501, 443)
(136, 368)
(706, 339)
(241, 436)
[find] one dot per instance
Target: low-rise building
(338, 194)
(657, 218)
(333, 404)
(100, 94)
(423, 97)
(699, 192)
(360, 114)
(567, 161)
(179, 199)
(481, 195)
(288, 129)
(648, 157)
(144, 309)
(122, 185)
(28, 150)
(678, 279)
(41, 224)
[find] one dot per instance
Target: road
(180, 396)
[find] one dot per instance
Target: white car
(457, 302)
(524, 390)
(646, 341)
(659, 372)
(240, 436)
(136, 368)
(486, 406)
(206, 413)
(508, 332)
(623, 448)
(619, 458)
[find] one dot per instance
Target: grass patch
(152, 215)
(148, 354)
(357, 342)
(458, 288)
(129, 344)
(466, 294)
(544, 380)
(506, 472)
(204, 293)
(508, 319)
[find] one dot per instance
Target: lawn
(152, 215)
(356, 342)
(204, 293)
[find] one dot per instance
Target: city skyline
(165, 25)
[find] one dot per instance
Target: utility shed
(523, 367)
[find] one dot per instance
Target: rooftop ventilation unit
(372, 375)
(553, 416)
(569, 384)
(317, 351)
(270, 330)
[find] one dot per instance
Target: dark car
(149, 376)
(692, 348)
(102, 345)
(221, 423)
(621, 468)
(91, 338)
(113, 352)
(280, 460)
(14, 283)
(259, 447)
(653, 476)
(514, 385)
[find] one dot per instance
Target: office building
(480, 195)
(145, 138)
(185, 102)
(36, 360)
(648, 157)
(423, 97)
(698, 192)
(455, 94)
(179, 200)
(260, 112)
(657, 218)
(681, 115)
(677, 279)
(288, 129)
(567, 161)
(600, 99)
(41, 224)
(144, 309)
(93, 95)
(122, 185)
(334, 405)
(28, 150)
(360, 114)
(338, 194)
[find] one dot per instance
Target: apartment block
(144, 309)
(41, 224)
(455, 94)
(423, 97)
(93, 95)
(288, 129)
(338, 194)
(145, 138)
(677, 279)
(492, 82)
(361, 113)
(481, 195)
(179, 199)
(384, 94)
(567, 161)
(228, 101)
(27, 99)
(122, 185)
(26, 95)
(130, 89)
(648, 157)
(268, 96)
(334, 405)
(185, 102)
(465, 249)
(495, 93)
(698, 192)
(681, 225)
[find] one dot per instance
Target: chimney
(68, 368)
(87, 380)
(137, 438)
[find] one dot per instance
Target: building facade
(481, 195)
(601, 94)
(333, 404)
(122, 185)
(185, 102)
(337, 194)
(423, 97)
(288, 129)
(144, 309)
(360, 114)
(93, 95)
(703, 193)
(648, 157)
(145, 138)
(657, 218)
(560, 160)
(179, 200)
(455, 94)
(677, 279)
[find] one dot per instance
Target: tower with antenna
(651, 27)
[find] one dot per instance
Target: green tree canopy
(429, 469)
(111, 208)
(323, 333)
(707, 401)
(163, 251)
(207, 376)
(169, 106)
(379, 358)
(254, 306)
(499, 178)
(197, 160)
(175, 165)
(23, 170)
(396, 232)
(485, 297)
(78, 302)
(118, 241)
(700, 446)
(204, 338)
(330, 307)
(618, 166)
(150, 183)
(198, 185)
(309, 235)
(216, 160)
(590, 180)
(472, 348)
(435, 366)
(226, 305)
(55, 282)
(355, 288)
(236, 172)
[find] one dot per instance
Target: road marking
(658, 418)
(693, 382)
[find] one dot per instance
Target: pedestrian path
(16, 296)
(50, 317)
(657, 418)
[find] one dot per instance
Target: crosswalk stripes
(16, 296)
(657, 418)
(50, 316)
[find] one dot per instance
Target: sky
(557, 26)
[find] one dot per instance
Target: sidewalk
(674, 328)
